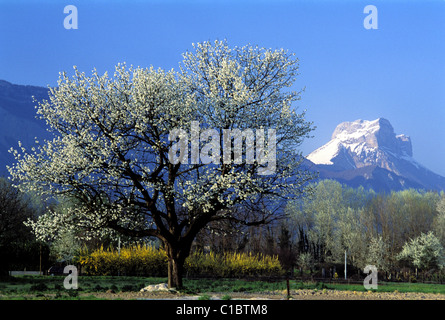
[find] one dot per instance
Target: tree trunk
(176, 255)
(175, 272)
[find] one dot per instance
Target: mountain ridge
(18, 120)
(360, 152)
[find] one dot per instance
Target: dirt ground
(276, 295)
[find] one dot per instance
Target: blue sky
(396, 72)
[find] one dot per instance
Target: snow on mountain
(373, 146)
(362, 152)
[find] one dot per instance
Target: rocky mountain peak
(359, 143)
(359, 127)
(378, 133)
(364, 145)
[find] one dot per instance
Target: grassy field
(392, 286)
(28, 287)
(51, 287)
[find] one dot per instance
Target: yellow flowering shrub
(134, 260)
(148, 261)
(232, 264)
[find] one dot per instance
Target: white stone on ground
(155, 287)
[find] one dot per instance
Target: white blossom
(110, 143)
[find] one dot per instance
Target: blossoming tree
(424, 252)
(112, 147)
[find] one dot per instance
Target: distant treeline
(400, 233)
